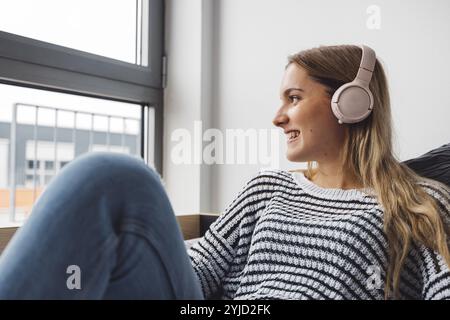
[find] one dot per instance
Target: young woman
(356, 225)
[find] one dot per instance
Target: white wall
(185, 100)
(251, 40)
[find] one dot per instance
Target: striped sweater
(284, 237)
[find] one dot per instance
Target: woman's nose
(280, 119)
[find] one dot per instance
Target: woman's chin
(293, 155)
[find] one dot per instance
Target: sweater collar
(330, 193)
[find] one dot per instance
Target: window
(49, 165)
(40, 61)
(44, 152)
(98, 87)
(52, 66)
(31, 164)
(108, 28)
(41, 138)
(29, 180)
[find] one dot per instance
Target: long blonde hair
(411, 215)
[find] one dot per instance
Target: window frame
(37, 64)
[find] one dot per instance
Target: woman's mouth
(293, 136)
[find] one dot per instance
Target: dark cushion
(434, 164)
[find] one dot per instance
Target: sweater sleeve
(436, 276)
(213, 254)
(435, 271)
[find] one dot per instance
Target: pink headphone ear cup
(352, 103)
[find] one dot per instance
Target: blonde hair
(411, 215)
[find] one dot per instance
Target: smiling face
(312, 131)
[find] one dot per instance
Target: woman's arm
(435, 271)
(212, 255)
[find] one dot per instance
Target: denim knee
(114, 166)
(102, 182)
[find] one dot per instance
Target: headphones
(353, 101)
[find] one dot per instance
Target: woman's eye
(294, 99)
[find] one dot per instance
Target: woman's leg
(109, 216)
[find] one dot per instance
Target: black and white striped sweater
(284, 237)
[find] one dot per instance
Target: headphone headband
(367, 65)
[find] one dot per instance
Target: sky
(103, 27)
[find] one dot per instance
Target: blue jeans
(109, 216)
